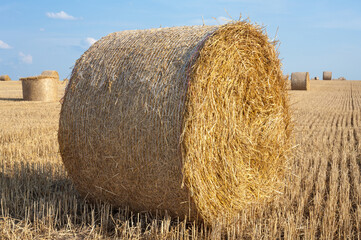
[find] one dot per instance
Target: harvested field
(321, 200)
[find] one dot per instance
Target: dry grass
(190, 120)
(321, 201)
(327, 75)
(5, 78)
(50, 73)
(300, 81)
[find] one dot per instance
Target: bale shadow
(12, 99)
(33, 193)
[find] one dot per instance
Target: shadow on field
(12, 99)
(40, 194)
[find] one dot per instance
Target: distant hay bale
(342, 78)
(327, 75)
(65, 81)
(189, 120)
(50, 73)
(5, 78)
(316, 78)
(286, 77)
(40, 88)
(300, 81)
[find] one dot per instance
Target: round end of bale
(50, 73)
(300, 81)
(40, 88)
(327, 75)
(5, 78)
(189, 120)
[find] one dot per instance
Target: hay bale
(300, 81)
(65, 81)
(342, 78)
(189, 120)
(50, 73)
(40, 88)
(5, 78)
(327, 75)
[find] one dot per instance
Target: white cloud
(60, 15)
(90, 41)
(4, 45)
(211, 21)
(28, 59)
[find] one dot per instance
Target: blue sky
(315, 36)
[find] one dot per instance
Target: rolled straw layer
(5, 78)
(189, 120)
(300, 81)
(40, 88)
(50, 73)
(327, 75)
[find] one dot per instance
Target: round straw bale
(300, 81)
(50, 73)
(327, 75)
(40, 88)
(189, 120)
(5, 78)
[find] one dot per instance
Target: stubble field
(321, 198)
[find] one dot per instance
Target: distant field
(321, 199)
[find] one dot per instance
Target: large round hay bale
(5, 78)
(189, 120)
(327, 75)
(300, 81)
(50, 73)
(40, 88)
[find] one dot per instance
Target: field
(321, 199)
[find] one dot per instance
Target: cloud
(90, 41)
(28, 59)
(4, 45)
(42, 29)
(211, 21)
(60, 15)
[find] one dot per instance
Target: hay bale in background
(176, 121)
(65, 81)
(300, 81)
(50, 73)
(342, 78)
(327, 75)
(5, 78)
(287, 81)
(40, 88)
(316, 78)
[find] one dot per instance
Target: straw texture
(327, 75)
(40, 88)
(50, 73)
(300, 81)
(189, 120)
(5, 78)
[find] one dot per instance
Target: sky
(314, 36)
